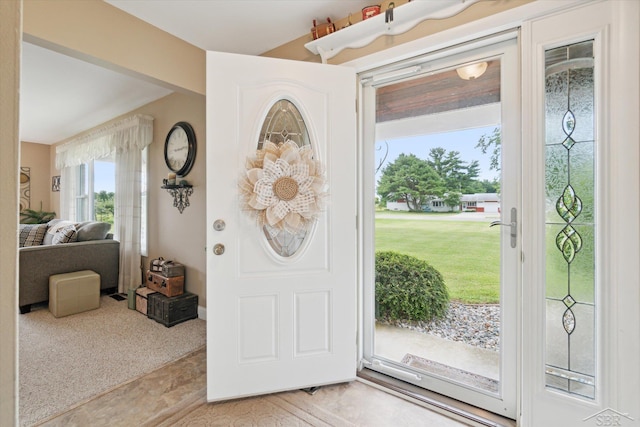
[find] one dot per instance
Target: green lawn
(467, 254)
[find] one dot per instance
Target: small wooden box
(142, 299)
(173, 310)
(167, 286)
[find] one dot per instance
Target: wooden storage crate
(172, 310)
(142, 299)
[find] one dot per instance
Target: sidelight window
(570, 219)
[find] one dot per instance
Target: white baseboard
(202, 312)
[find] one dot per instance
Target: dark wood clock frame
(191, 155)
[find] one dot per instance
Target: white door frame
(623, 303)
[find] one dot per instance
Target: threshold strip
(444, 404)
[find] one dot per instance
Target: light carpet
(66, 361)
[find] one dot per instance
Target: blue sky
(104, 176)
(463, 141)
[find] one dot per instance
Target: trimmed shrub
(408, 288)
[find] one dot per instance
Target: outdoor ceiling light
(472, 71)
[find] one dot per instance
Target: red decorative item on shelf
(321, 30)
(370, 11)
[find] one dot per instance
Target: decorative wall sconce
(472, 71)
(180, 194)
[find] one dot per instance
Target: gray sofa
(97, 251)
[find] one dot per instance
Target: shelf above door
(405, 17)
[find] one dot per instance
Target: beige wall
(37, 158)
(174, 235)
(99, 33)
(10, 12)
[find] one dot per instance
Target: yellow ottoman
(72, 293)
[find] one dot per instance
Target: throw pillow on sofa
(31, 234)
(54, 226)
(93, 231)
(65, 235)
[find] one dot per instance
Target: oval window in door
(291, 181)
(282, 123)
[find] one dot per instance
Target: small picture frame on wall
(55, 183)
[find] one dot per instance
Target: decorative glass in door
(284, 182)
(570, 220)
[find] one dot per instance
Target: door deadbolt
(218, 225)
(218, 249)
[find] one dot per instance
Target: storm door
(441, 216)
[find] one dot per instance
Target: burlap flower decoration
(283, 186)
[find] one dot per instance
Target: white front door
(281, 268)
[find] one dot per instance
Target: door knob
(218, 225)
(218, 249)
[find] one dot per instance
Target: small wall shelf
(405, 17)
(180, 194)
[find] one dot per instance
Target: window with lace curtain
(122, 144)
(95, 191)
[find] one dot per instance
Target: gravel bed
(475, 324)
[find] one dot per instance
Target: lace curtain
(127, 217)
(68, 193)
(125, 139)
(126, 134)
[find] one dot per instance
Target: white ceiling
(250, 27)
(62, 96)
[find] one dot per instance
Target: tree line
(104, 206)
(443, 175)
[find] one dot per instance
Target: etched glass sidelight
(570, 219)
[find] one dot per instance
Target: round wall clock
(180, 148)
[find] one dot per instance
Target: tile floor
(175, 395)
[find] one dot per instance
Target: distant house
(480, 202)
(438, 205)
(398, 205)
